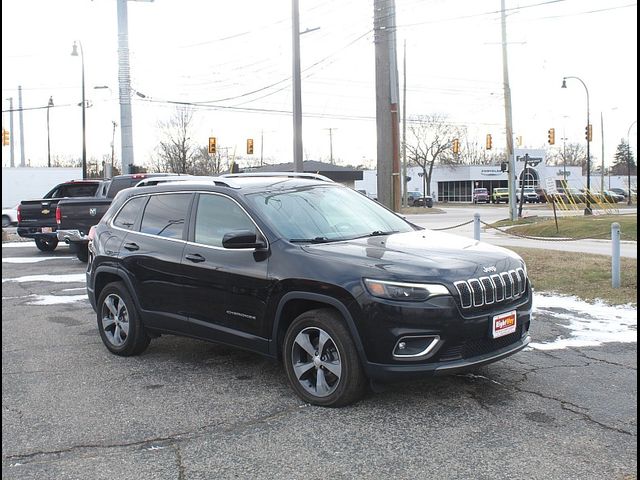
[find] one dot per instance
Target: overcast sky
(233, 58)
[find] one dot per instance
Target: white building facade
(456, 183)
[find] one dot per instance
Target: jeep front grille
(478, 292)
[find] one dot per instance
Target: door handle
(131, 247)
(195, 257)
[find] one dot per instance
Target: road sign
(551, 185)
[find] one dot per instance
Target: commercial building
(455, 183)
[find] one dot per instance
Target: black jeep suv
(297, 267)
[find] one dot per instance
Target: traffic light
(489, 142)
(212, 144)
(456, 146)
(5, 137)
(249, 146)
(588, 133)
(552, 136)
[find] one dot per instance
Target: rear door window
(129, 214)
(165, 215)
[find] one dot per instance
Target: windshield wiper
(310, 240)
(378, 233)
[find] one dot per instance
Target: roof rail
(310, 176)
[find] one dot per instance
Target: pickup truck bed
(37, 218)
(76, 216)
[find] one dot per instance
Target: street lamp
(587, 210)
(49, 105)
(629, 161)
(74, 53)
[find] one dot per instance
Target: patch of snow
(33, 259)
(55, 299)
(590, 324)
(18, 244)
(75, 277)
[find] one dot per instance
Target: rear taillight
(19, 214)
(92, 233)
(58, 215)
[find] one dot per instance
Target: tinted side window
(165, 215)
(128, 214)
(216, 216)
(77, 190)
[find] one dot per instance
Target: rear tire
(46, 244)
(321, 360)
(6, 221)
(82, 253)
(119, 324)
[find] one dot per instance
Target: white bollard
(476, 226)
(615, 255)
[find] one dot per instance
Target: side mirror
(242, 239)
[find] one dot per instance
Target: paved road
(191, 410)
(448, 216)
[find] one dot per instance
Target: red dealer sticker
(504, 324)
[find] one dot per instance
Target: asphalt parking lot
(186, 409)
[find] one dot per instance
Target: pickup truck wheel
(6, 221)
(46, 244)
(82, 253)
(321, 360)
(119, 324)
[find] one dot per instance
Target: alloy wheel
(316, 361)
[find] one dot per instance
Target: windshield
(480, 190)
(325, 213)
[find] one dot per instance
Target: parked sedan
(610, 196)
(9, 216)
(620, 191)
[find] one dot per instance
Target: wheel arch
(105, 275)
(295, 303)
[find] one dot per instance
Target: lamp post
(629, 161)
(74, 53)
(587, 210)
(49, 105)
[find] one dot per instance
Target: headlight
(407, 292)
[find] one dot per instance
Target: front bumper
(72, 236)
(391, 373)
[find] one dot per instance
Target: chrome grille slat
(499, 284)
(489, 290)
(497, 288)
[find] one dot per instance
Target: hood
(423, 255)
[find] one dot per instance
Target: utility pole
(124, 88)
(261, 145)
(508, 118)
(404, 125)
(20, 120)
(11, 150)
(113, 141)
(330, 144)
(387, 118)
(602, 164)
(298, 165)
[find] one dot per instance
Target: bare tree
(176, 151)
(571, 155)
(430, 141)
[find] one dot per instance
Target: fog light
(416, 348)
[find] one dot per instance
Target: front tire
(6, 221)
(119, 324)
(46, 244)
(321, 360)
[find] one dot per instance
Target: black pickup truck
(76, 216)
(37, 218)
